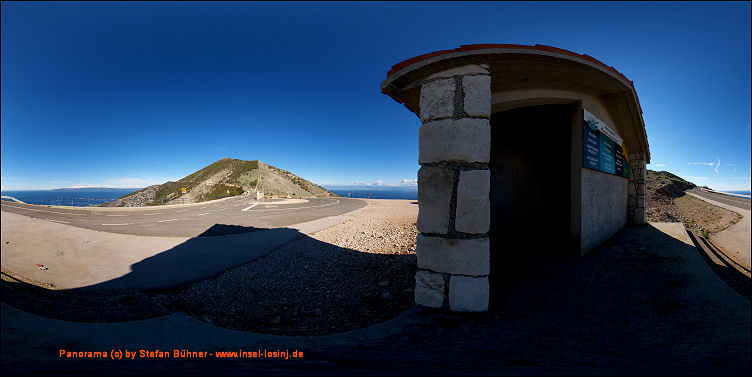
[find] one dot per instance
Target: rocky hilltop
(662, 188)
(226, 177)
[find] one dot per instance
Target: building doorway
(533, 214)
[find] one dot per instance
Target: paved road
(735, 240)
(229, 216)
(732, 201)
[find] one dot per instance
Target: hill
(667, 184)
(226, 177)
(662, 188)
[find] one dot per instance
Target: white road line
(149, 214)
(286, 209)
(182, 210)
(162, 221)
(116, 215)
(117, 224)
(58, 221)
(39, 210)
(201, 214)
(245, 209)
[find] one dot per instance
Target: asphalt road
(732, 201)
(229, 216)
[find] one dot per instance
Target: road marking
(149, 214)
(117, 224)
(182, 210)
(201, 214)
(116, 215)
(162, 221)
(39, 210)
(245, 209)
(286, 209)
(58, 221)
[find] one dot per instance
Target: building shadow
(736, 275)
(204, 257)
(644, 302)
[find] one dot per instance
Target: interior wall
(530, 187)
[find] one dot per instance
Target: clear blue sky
(111, 94)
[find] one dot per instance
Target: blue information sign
(619, 160)
(607, 163)
(602, 148)
(592, 147)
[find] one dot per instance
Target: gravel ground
(694, 213)
(348, 276)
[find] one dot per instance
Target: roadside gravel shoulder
(347, 276)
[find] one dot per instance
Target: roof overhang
(518, 67)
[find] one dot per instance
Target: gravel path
(348, 276)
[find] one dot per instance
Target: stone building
(527, 154)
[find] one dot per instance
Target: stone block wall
(453, 190)
(637, 189)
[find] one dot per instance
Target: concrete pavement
(76, 257)
(736, 238)
(191, 220)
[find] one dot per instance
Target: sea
(747, 193)
(76, 198)
(378, 194)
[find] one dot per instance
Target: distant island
(95, 189)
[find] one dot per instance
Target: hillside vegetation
(666, 201)
(226, 177)
(662, 188)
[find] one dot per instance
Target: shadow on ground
(642, 303)
(736, 275)
(318, 288)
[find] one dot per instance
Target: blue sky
(116, 94)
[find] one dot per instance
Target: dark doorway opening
(531, 206)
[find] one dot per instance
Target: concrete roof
(519, 67)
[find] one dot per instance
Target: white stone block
(437, 99)
(435, 185)
(641, 188)
(477, 101)
(463, 140)
(639, 216)
(429, 289)
(470, 69)
(473, 213)
(468, 294)
(455, 256)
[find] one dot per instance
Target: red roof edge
(405, 63)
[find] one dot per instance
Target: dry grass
(701, 215)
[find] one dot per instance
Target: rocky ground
(137, 199)
(667, 202)
(348, 276)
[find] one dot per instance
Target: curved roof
(400, 83)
